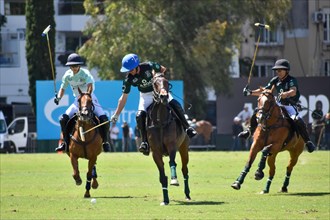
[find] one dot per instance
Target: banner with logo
(107, 92)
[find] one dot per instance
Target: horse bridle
(85, 112)
(263, 113)
(161, 94)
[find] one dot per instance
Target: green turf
(40, 186)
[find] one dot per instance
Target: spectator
(114, 131)
(127, 136)
(236, 129)
(327, 131)
(245, 116)
(137, 137)
(317, 123)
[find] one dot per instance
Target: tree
(39, 14)
(194, 39)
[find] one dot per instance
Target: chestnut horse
(274, 134)
(89, 146)
(205, 129)
(165, 136)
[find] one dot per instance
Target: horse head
(266, 102)
(160, 88)
(85, 112)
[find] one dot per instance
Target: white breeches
(73, 108)
(291, 111)
(146, 100)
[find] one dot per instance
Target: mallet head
(262, 25)
(45, 32)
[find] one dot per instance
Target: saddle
(293, 127)
(69, 129)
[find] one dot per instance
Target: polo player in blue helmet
(140, 75)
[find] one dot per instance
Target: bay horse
(275, 133)
(89, 146)
(165, 136)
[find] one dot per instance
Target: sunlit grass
(40, 186)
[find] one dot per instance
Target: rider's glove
(247, 91)
(114, 118)
(56, 99)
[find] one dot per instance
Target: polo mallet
(45, 33)
(82, 132)
(255, 52)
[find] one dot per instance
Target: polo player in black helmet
(79, 77)
(288, 92)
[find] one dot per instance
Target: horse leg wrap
(241, 177)
(173, 169)
(269, 182)
(287, 180)
(262, 163)
(88, 183)
(186, 186)
(94, 174)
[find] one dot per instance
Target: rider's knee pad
(64, 120)
(103, 118)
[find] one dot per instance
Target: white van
(3, 132)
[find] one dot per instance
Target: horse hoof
(174, 182)
(77, 179)
(284, 190)
(236, 185)
(188, 198)
(95, 184)
(264, 192)
(164, 203)
(259, 175)
(87, 195)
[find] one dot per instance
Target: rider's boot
(253, 125)
(191, 132)
(104, 130)
(141, 124)
(64, 143)
(304, 134)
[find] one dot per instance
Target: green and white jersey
(81, 80)
(284, 86)
(143, 80)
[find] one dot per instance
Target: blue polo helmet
(129, 62)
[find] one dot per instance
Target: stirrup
(61, 147)
(310, 146)
(191, 132)
(144, 148)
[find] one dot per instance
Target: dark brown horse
(166, 136)
(274, 134)
(87, 146)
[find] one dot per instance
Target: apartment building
(304, 39)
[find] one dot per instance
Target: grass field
(40, 186)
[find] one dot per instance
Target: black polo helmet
(281, 64)
(74, 59)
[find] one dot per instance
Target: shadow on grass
(197, 202)
(309, 194)
(116, 197)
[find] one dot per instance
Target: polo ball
(93, 201)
